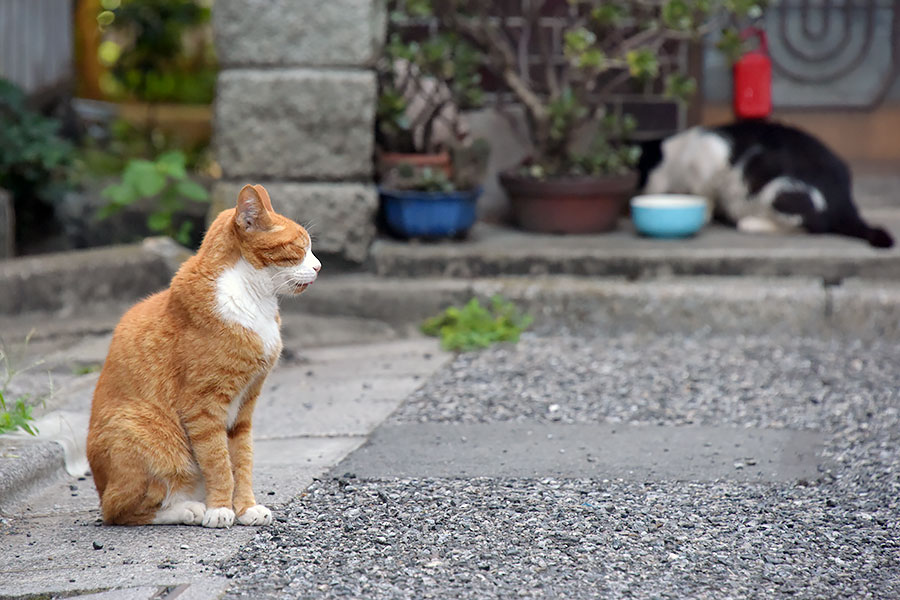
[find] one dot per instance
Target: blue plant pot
(411, 213)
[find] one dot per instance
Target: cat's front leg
(240, 447)
(210, 444)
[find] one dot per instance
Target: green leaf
(642, 63)
(183, 236)
(731, 45)
(159, 221)
(680, 86)
(119, 195)
(172, 164)
(577, 41)
(143, 176)
(608, 14)
(678, 14)
(592, 58)
(191, 190)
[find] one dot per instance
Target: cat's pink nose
(317, 268)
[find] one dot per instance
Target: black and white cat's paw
(758, 225)
(218, 517)
(256, 515)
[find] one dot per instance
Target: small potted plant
(580, 172)
(429, 167)
(424, 202)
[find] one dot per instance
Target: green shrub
(34, 160)
(474, 326)
(149, 58)
(165, 179)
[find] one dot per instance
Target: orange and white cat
(170, 432)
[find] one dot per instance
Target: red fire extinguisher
(753, 79)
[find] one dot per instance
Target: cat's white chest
(246, 297)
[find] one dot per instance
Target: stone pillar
(7, 225)
(295, 111)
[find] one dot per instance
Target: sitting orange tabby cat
(169, 439)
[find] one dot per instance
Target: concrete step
(864, 309)
(492, 250)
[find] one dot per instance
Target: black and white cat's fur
(761, 177)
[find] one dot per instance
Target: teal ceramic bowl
(668, 215)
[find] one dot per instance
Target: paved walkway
(570, 465)
(317, 406)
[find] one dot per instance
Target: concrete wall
(295, 110)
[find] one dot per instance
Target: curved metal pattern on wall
(833, 53)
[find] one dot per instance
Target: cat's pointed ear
(264, 196)
(251, 213)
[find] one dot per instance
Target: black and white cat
(761, 177)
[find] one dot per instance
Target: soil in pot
(568, 204)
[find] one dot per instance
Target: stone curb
(393, 259)
(26, 465)
(65, 281)
(741, 305)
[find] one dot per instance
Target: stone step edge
(27, 465)
(794, 306)
(66, 281)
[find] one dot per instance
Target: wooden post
(88, 69)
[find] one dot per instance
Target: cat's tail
(876, 236)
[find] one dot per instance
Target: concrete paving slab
(868, 308)
(135, 593)
(283, 468)
(293, 403)
(319, 330)
(345, 390)
(72, 552)
(600, 451)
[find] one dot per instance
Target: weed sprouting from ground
(475, 326)
(16, 413)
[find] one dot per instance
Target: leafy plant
(475, 326)
(147, 53)
(34, 159)
(16, 417)
(107, 154)
(165, 180)
(16, 414)
(607, 45)
(432, 73)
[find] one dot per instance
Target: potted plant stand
(568, 204)
(429, 214)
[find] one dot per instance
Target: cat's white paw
(256, 515)
(192, 513)
(218, 517)
(181, 513)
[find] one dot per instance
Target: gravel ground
(573, 539)
(666, 380)
(837, 536)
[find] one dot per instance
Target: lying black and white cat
(761, 177)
